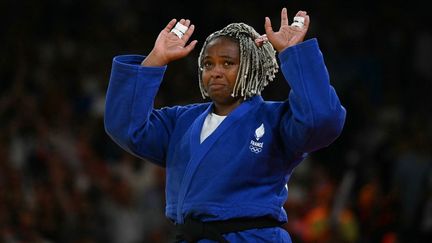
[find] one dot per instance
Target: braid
(258, 65)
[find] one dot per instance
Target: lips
(216, 86)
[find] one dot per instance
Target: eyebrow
(222, 56)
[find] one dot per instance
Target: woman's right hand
(169, 47)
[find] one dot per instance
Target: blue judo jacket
(243, 167)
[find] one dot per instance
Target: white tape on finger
(298, 21)
(177, 32)
(182, 28)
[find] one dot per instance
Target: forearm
(129, 99)
(317, 115)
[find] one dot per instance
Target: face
(221, 60)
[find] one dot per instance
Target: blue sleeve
(316, 116)
(129, 118)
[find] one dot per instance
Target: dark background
(63, 180)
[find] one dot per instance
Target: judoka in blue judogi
(228, 161)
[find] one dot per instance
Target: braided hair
(258, 65)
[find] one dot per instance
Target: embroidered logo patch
(259, 132)
(256, 146)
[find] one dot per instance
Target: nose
(217, 71)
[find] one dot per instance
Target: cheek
(232, 77)
(204, 79)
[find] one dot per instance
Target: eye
(207, 65)
(228, 64)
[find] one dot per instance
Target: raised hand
(169, 47)
(287, 35)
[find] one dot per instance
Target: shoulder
(272, 106)
(180, 110)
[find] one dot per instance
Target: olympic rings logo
(255, 149)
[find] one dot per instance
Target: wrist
(153, 60)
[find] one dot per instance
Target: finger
(180, 28)
(304, 25)
(187, 22)
(284, 17)
(170, 25)
(188, 48)
(268, 27)
(306, 22)
(259, 42)
(301, 13)
(306, 18)
(183, 22)
(188, 33)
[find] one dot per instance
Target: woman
(228, 161)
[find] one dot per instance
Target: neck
(225, 109)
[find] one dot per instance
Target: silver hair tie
(179, 29)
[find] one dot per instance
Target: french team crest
(256, 146)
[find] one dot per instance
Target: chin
(224, 99)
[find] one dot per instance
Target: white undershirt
(211, 122)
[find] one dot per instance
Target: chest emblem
(255, 146)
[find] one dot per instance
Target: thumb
(190, 46)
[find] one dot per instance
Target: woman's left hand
(287, 35)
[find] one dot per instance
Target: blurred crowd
(62, 179)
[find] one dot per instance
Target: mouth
(216, 86)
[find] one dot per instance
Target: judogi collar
(199, 150)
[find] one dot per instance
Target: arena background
(63, 180)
